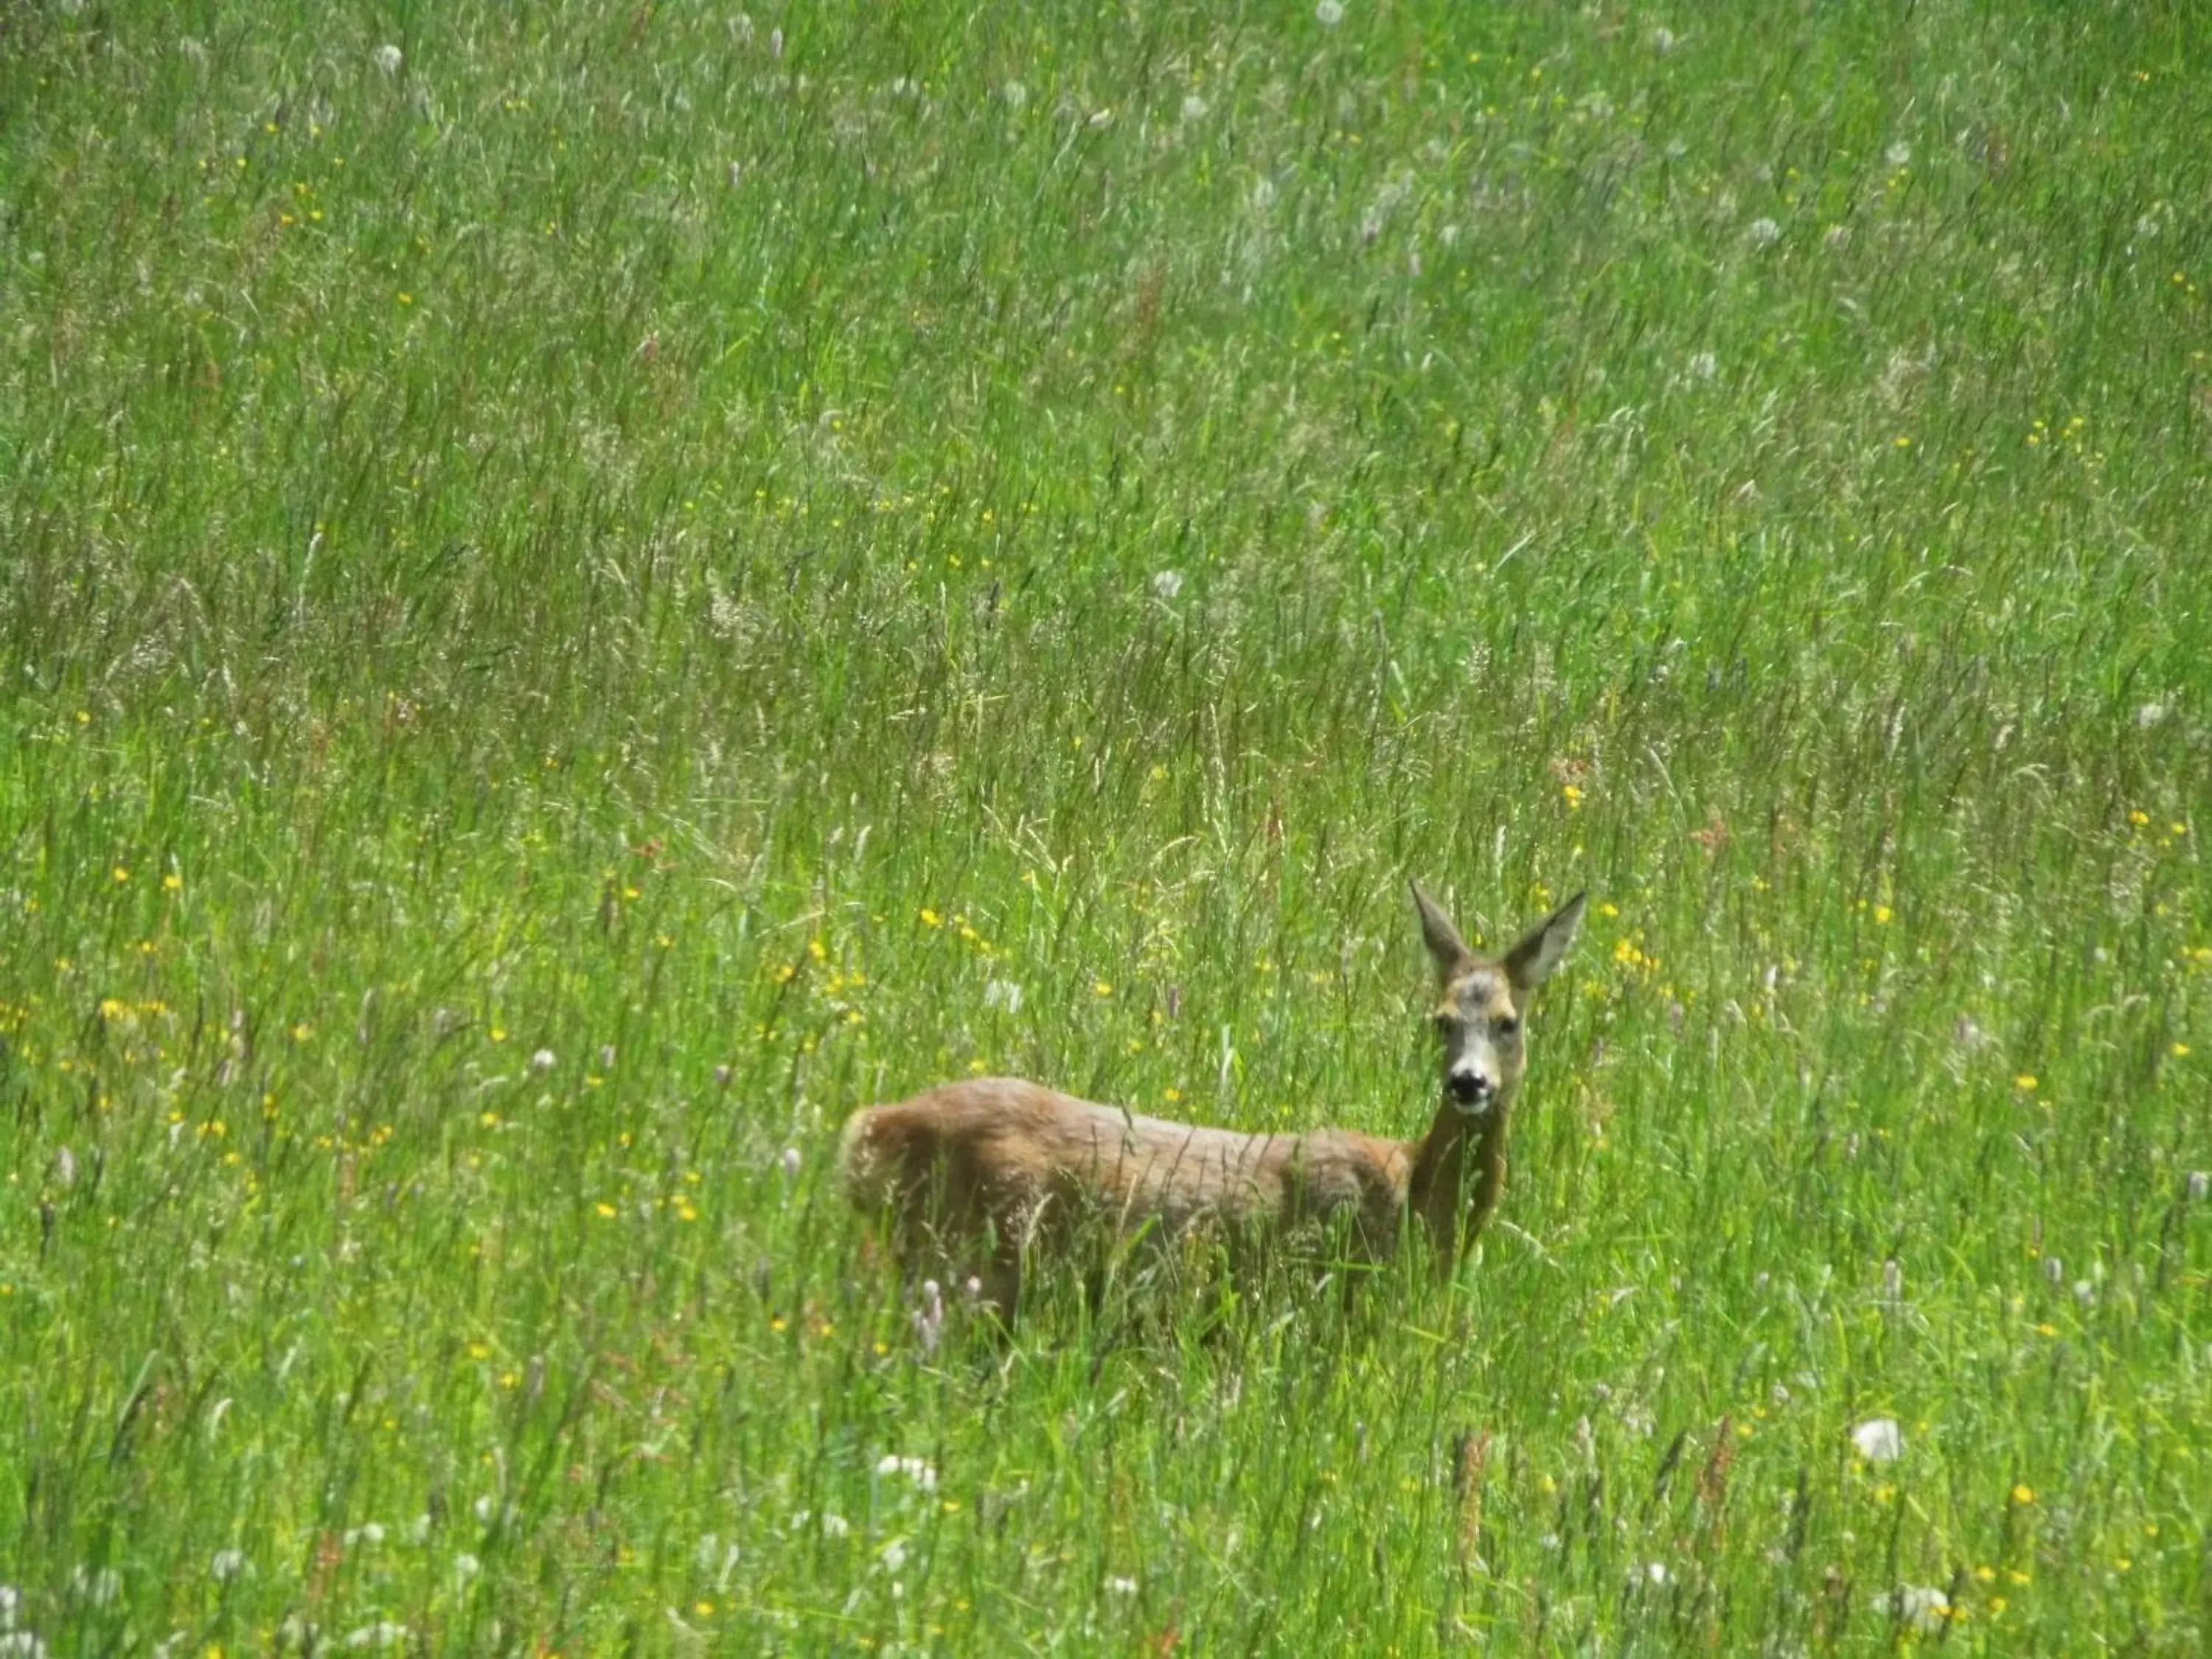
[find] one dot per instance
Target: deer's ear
(1529, 963)
(1446, 949)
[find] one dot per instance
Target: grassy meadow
(586, 587)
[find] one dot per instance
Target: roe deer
(1008, 1165)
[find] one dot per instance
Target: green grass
(569, 603)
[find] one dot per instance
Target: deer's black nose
(1470, 1088)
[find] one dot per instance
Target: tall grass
(583, 590)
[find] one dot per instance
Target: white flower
(1655, 1572)
(24, 1643)
(1898, 154)
(1003, 993)
(894, 1555)
(2054, 1269)
(387, 57)
(1663, 41)
(226, 1564)
(1764, 233)
(790, 1161)
(1121, 1587)
(1893, 1279)
(543, 1060)
(2085, 1293)
(1193, 107)
(485, 1508)
(834, 1525)
(419, 1529)
(368, 1532)
(1922, 1607)
(2149, 715)
(1016, 95)
(1168, 583)
(1839, 238)
(1879, 1440)
(915, 1468)
(1704, 366)
(381, 1634)
(466, 1566)
(2200, 1183)
(11, 1600)
(1329, 13)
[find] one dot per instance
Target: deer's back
(1008, 1151)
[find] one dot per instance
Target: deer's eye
(1507, 1026)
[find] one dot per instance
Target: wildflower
(2023, 1495)
(1763, 232)
(1168, 583)
(466, 1566)
(1194, 109)
(1004, 994)
(226, 1566)
(915, 1468)
(1879, 1440)
(929, 1318)
(1919, 1607)
(2200, 1182)
(836, 1526)
(930, 918)
(1017, 95)
(2025, 1083)
(790, 1163)
(1702, 366)
(1662, 41)
(381, 1635)
(387, 57)
(1329, 13)
(894, 1555)
(1898, 153)
(1120, 1586)
(1655, 1572)
(722, 1077)
(172, 883)
(543, 1060)
(121, 875)
(368, 1532)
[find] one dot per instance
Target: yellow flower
(2023, 1495)
(1103, 987)
(1172, 1095)
(930, 918)
(2181, 1051)
(606, 1211)
(1881, 915)
(121, 874)
(2025, 1083)
(2139, 817)
(172, 883)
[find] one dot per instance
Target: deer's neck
(1458, 1170)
